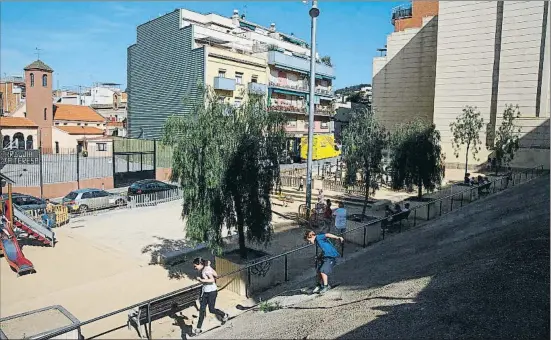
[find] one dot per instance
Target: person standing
(301, 184)
(327, 258)
(208, 293)
(340, 219)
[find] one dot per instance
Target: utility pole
(314, 13)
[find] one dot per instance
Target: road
(481, 272)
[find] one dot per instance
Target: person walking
(340, 219)
(208, 293)
(327, 258)
(301, 184)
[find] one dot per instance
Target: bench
(403, 215)
(484, 188)
(164, 306)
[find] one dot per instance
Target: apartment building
(231, 55)
(486, 54)
(12, 94)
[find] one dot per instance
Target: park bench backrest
(170, 304)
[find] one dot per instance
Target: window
(44, 80)
(238, 78)
(19, 140)
(102, 146)
(29, 142)
(85, 124)
(78, 124)
(324, 125)
(100, 193)
(64, 123)
(56, 123)
(237, 102)
(86, 195)
(6, 141)
(254, 79)
(222, 73)
(45, 114)
(56, 147)
(32, 79)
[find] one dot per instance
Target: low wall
(54, 190)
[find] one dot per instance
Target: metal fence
(287, 265)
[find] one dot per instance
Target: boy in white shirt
(340, 218)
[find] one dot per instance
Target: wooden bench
(484, 189)
(403, 215)
(164, 306)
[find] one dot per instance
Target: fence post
(248, 288)
(428, 214)
(415, 217)
(462, 192)
(113, 161)
(451, 204)
(41, 174)
(441, 206)
(365, 235)
(78, 169)
(286, 269)
(155, 158)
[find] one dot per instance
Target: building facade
(12, 94)
(232, 56)
(486, 54)
(403, 79)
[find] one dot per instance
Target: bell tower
(38, 83)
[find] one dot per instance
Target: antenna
(37, 52)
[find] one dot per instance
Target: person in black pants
(209, 293)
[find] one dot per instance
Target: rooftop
(6, 122)
(81, 130)
(76, 113)
(38, 65)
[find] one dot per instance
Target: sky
(86, 42)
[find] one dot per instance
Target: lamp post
(314, 13)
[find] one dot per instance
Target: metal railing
(359, 235)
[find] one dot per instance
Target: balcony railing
(401, 12)
(221, 83)
(287, 108)
(257, 88)
(303, 88)
(299, 64)
(324, 92)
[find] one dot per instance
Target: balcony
(298, 64)
(221, 83)
(324, 92)
(257, 88)
(296, 88)
(287, 109)
(401, 12)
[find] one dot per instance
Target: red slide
(12, 251)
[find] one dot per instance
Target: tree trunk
(366, 196)
(467, 159)
(419, 187)
(240, 229)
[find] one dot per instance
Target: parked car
(84, 200)
(26, 202)
(156, 190)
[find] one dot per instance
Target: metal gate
(133, 160)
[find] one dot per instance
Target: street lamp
(314, 13)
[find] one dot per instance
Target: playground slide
(32, 227)
(13, 254)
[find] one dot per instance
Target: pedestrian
(208, 293)
(301, 184)
(327, 258)
(50, 214)
(340, 219)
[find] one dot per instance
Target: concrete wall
(163, 71)
(403, 81)
(61, 189)
(490, 56)
(25, 131)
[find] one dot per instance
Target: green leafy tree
(416, 157)
(226, 161)
(364, 141)
(507, 138)
(466, 133)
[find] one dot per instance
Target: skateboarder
(327, 258)
(208, 294)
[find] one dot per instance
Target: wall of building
(218, 59)
(33, 132)
(490, 56)
(404, 80)
(38, 101)
(420, 9)
(11, 96)
(163, 74)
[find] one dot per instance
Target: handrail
(101, 317)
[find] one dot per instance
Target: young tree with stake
(466, 133)
(507, 138)
(364, 141)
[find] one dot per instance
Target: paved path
(482, 272)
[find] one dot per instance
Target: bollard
(286, 269)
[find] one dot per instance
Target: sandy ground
(481, 272)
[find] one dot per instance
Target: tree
(364, 141)
(507, 138)
(416, 157)
(226, 161)
(326, 60)
(466, 132)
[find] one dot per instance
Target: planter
(424, 208)
(255, 279)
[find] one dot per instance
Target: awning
(289, 92)
(246, 25)
(319, 76)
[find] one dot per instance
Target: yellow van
(324, 146)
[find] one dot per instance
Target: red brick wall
(61, 189)
(163, 174)
(421, 9)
